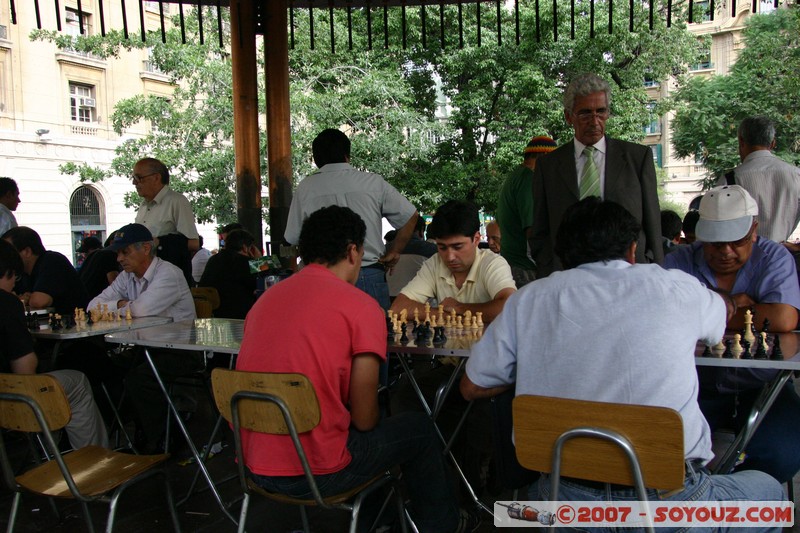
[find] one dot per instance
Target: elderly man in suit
(593, 165)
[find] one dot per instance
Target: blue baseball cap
(130, 234)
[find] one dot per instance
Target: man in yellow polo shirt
(460, 276)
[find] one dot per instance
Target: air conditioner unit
(87, 102)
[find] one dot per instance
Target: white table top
(99, 328)
(220, 335)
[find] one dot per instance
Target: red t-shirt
(312, 323)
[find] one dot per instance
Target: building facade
(55, 108)
(724, 34)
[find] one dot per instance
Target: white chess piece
(737, 348)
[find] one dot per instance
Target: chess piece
(128, 314)
(441, 314)
(718, 349)
(474, 323)
(777, 353)
(90, 320)
(761, 351)
(748, 327)
(746, 353)
(479, 314)
(728, 354)
(707, 351)
(737, 346)
(403, 333)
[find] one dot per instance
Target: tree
(763, 81)
(386, 98)
(191, 132)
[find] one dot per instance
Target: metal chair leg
(88, 517)
(304, 517)
(13, 516)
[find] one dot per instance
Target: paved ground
(143, 507)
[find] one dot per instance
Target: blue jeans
(373, 282)
(775, 446)
(406, 439)
(698, 485)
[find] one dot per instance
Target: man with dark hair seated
(631, 327)
(52, 281)
(760, 275)
(229, 272)
(460, 276)
(317, 323)
(17, 356)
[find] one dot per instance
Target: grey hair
(757, 131)
(138, 246)
(583, 85)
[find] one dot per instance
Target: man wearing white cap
(729, 255)
(760, 275)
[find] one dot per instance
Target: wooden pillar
(279, 139)
(245, 118)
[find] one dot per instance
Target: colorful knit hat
(540, 145)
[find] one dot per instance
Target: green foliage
(763, 81)
(391, 100)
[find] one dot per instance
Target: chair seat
(330, 500)
(95, 470)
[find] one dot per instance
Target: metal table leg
(441, 395)
(200, 464)
(759, 410)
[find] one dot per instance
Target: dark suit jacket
(630, 180)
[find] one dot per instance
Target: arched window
(86, 219)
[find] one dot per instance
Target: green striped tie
(590, 177)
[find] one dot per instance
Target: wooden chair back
(45, 390)
(206, 300)
(655, 432)
(295, 390)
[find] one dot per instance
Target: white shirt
(162, 291)
(368, 194)
(169, 212)
(775, 186)
(609, 332)
(199, 262)
(7, 219)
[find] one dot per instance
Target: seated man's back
(608, 329)
(317, 323)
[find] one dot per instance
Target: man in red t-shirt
(318, 324)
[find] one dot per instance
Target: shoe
(468, 522)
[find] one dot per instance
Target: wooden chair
(37, 404)
(206, 301)
(634, 445)
(285, 404)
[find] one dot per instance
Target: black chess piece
(765, 326)
(442, 335)
(437, 338)
(707, 352)
(428, 331)
(89, 320)
(404, 333)
(746, 353)
(727, 354)
(777, 353)
(761, 352)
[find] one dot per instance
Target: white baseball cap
(726, 214)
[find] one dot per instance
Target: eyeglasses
(735, 244)
(588, 115)
(136, 178)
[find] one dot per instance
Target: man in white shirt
(148, 286)
(9, 200)
(771, 181)
(616, 321)
(166, 213)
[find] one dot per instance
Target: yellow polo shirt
(488, 275)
